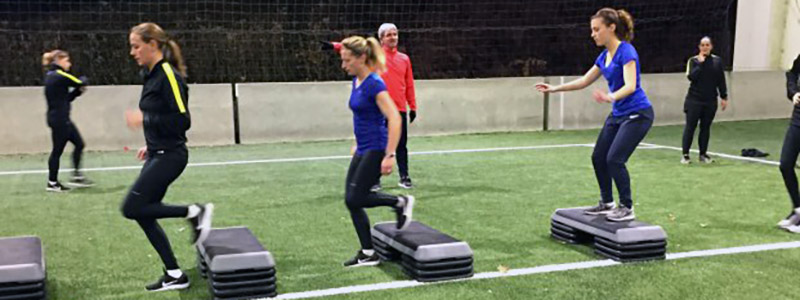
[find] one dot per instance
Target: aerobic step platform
(424, 253)
(237, 265)
(621, 241)
(22, 270)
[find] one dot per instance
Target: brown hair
(376, 59)
(51, 56)
(621, 18)
(170, 49)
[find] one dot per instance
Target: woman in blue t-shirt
(631, 115)
(376, 124)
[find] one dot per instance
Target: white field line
(535, 270)
(304, 159)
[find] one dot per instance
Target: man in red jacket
(399, 81)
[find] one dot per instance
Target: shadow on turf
(97, 190)
(433, 192)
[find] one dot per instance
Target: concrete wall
(753, 95)
(98, 114)
(271, 112)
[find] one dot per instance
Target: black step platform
(22, 268)
(236, 265)
(424, 253)
(629, 241)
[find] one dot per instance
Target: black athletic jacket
(792, 88)
(707, 78)
(57, 85)
(165, 106)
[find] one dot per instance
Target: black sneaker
(166, 283)
(80, 181)
(201, 224)
(601, 208)
(621, 214)
(56, 187)
(375, 188)
(362, 260)
(405, 182)
(404, 212)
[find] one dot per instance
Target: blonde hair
(51, 56)
(370, 47)
(169, 47)
(619, 17)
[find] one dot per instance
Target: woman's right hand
(353, 150)
(142, 153)
(545, 88)
(796, 99)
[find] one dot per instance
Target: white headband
(384, 28)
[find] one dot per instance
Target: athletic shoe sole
(623, 219)
(171, 287)
(54, 190)
(205, 224)
(364, 264)
(408, 210)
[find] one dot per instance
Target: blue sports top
(613, 74)
(369, 124)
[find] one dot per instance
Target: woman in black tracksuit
(707, 75)
(164, 114)
(791, 148)
(60, 89)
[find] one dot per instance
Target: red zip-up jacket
(399, 79)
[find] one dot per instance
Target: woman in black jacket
(706, 72)
(164, 114)
(60, 89)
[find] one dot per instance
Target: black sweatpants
(615, 144)
(705, 115)
(61, 134)
(361, 176)
(791, 148)
(143, 203)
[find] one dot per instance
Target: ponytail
(625, 32)
(375, 56)
(172, 52)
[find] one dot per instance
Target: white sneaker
(685, 160)
(791, 220)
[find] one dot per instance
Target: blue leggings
(617, 141)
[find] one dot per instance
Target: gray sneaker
(621, 214)
(685, 160)
(600, 209)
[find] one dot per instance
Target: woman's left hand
(386, 165)
(602, 97)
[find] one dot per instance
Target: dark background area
(255, 41)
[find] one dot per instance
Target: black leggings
(695, 113)
(60, 136)
(791, 148)
(361, 176)
(402, 150)
(143, 203)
